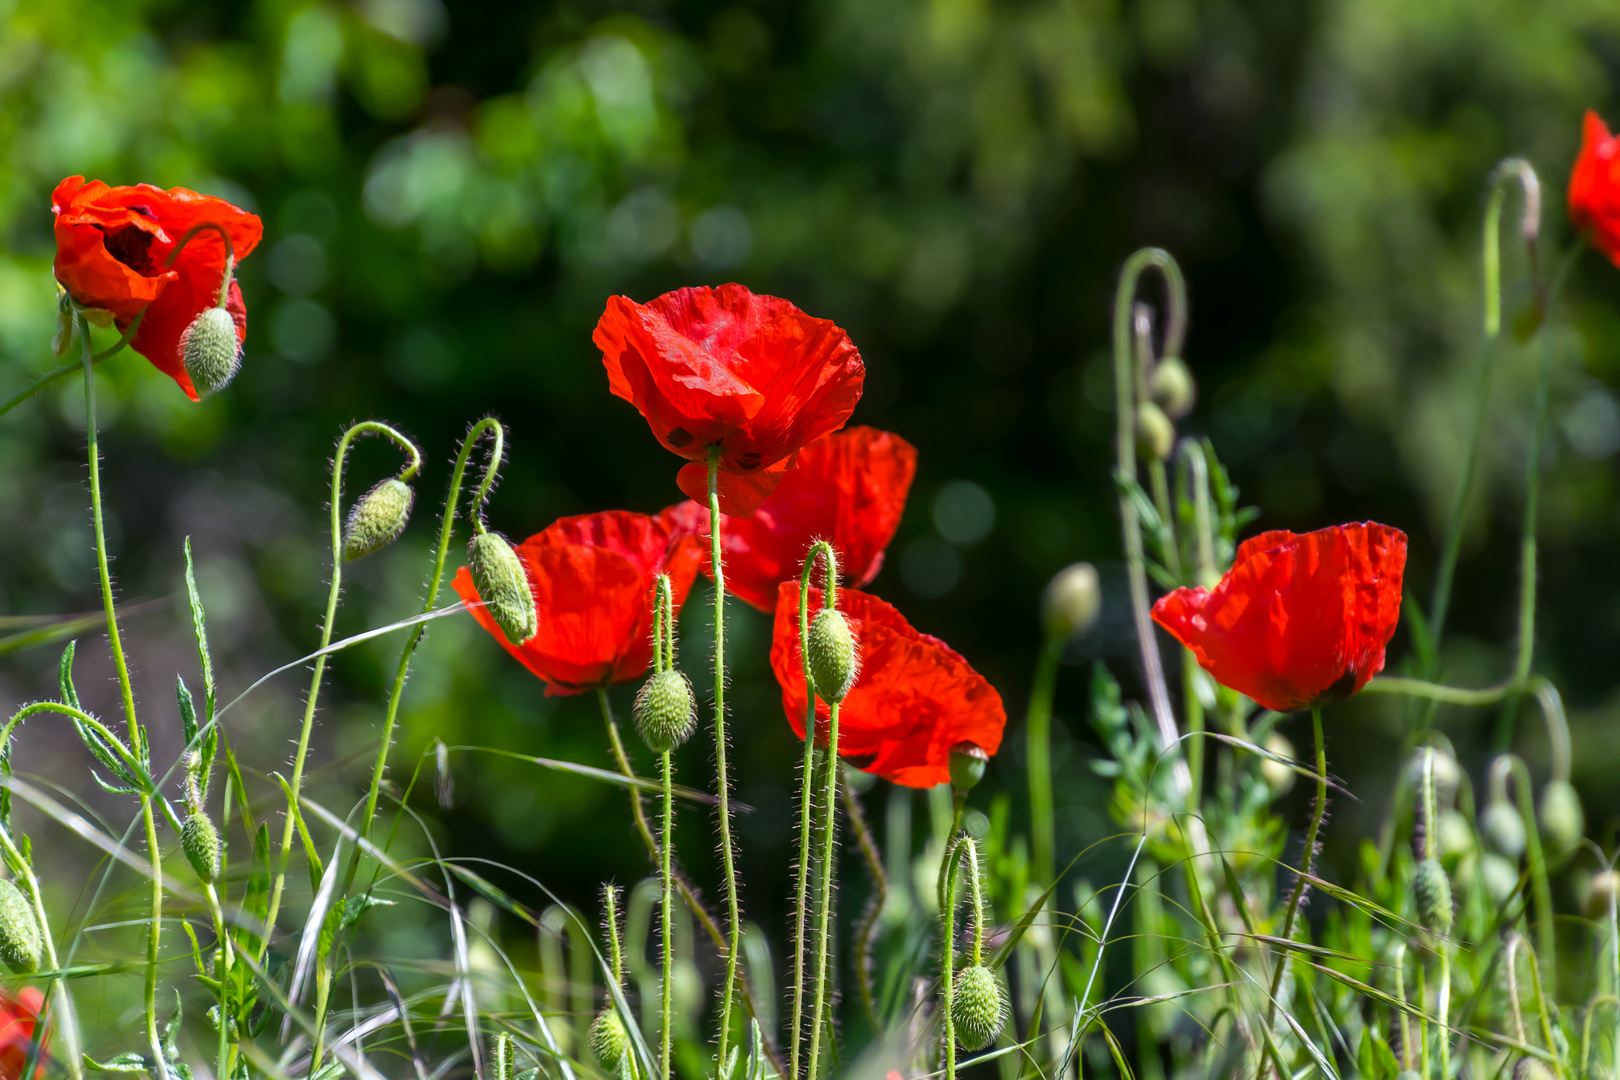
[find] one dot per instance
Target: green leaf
(200, 630)
(64, 676)
(127, 1062)
(188, 710)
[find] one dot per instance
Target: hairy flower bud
(212, 353)
(377, 518)
(978, 1008)
(1432, 890)
(19, 931)
(1155, 434)
(200, 841)
(609, 1041)
(832, 656)
(1562, 822)
(664, 711)
(1503, 828)
(1071, 601)
(1172, 388)
(503, 585)
(968, 760)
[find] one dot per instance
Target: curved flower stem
(666, 999)
(365, 427)
(1038, 740)
(829, 832)
(1307, 860)
(874, 905)
(1614, 972)
(947, 966)
(137, 736)
(728, 854)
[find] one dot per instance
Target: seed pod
(19, 931)
(1562, 822)
(1503, 828)
(832, 655)
(967, 764)
(1432, 889)
(1071, 601)
(977, 1007)
(211, 350)
(503, 585)
(1155, 434)
(377, 518)
(609, 1041)
(664, 711)
(200, 841)
(1172, 388)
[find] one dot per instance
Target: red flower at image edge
(1299, 620)
(1594, 187)
(592, 578)
(914, 699)
(848, 488)
(19, 1018)
(111, 247)
(723, 367)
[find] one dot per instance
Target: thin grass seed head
(978, 1007)
(211, 351)
(377, 518)
(833, 656)
(200, 841)
(503, 585)
(665, 711)
(19, 931)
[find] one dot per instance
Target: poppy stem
(829, 834)
(1535, 857)
(666, 999)
(1038, 741)
(728, 855)
(947, 967)
(1307, 861)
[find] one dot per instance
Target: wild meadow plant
(1222, 951)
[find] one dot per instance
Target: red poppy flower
(592, 578)
(723, 367)
(112, 244)
(914, 699)
(1299, 620)
(1594, 187)
(19, 1017)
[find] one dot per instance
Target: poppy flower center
(131, 246)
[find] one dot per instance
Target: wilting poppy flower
(1594, 187)
(723, 367)
(914, 699)
(19, 1017)
(1299, 620)
(848, 488)
(592, 578)
(112, 244)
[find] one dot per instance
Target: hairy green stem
(947, 966)
(1307, 861)
(728, 854)
(666, 1002)
(829, 832)
(1038, 740)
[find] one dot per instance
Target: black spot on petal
(678, 437)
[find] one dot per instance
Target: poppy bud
(832, 656)
(1278, 777)
(1155, 434)
(1600, 892)
(19, 931)
(1432, 889)
(968, 760)
(1172, 388)
(1071, 601)
(664, 712)
(211, 351)
(200, 841)
(503, 585)
(609, 1041)
(1503, 828)
(977, 1007)
(1562, 822)
(1499, 875)
(377, 518)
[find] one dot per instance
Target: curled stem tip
(486, 483)
(1515, 169)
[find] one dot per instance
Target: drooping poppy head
(914, 699)
(722, 367)
(848, 488)
(592, 578)
(1300, 620)
(112, 252)
(1594, 187)
(19, 1019)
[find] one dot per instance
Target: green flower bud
(978, 1008)
(664, 711)
(200, 841)
(1155, 434)
(1071, 601)
(967, 765)
(211, 351)
(609, 1041)
(503, 585)
(833, 657)
(1499, 876)
(19, 931)
(377, 518)
(1456, 837)
(1278, 777)
(505, 1066)
(1503, 828)
(1171, 386)
(1432, 889)
(1600, 892)
(1562, 822)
